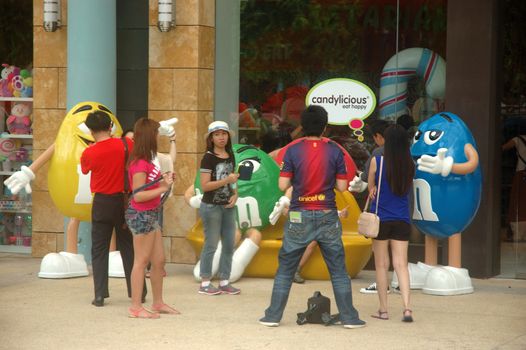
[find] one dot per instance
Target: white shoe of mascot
(417, 275)
(63, 265)
(115, 266)
(447, 280)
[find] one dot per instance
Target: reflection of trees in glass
(290, 42)
(286, 43)
(514, 47)
(297, 41)
(16, 32)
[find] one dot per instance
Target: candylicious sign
(347, 101)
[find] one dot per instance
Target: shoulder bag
(126, 191)
(369, 223)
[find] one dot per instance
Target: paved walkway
(57, 314)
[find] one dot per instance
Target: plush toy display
(15, 82)
(7, 147)
(7, 72)
(19, 122)
(26, 88)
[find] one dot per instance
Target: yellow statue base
(358, 249)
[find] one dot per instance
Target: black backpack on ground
(318, 311)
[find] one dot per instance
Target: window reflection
(287, 47)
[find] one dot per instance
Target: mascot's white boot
(242, 257)
(447, 280)
(63, 265)
(417, 275)
(115, 266)
(215, 264)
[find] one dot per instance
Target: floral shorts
(142, 222)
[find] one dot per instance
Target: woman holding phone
(218, 181)
(142, 218)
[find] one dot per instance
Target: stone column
(471, 92)
(92, 67)
(181, 84)
(49, 108)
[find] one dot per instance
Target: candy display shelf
(15, 211)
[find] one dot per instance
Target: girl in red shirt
(142, 217)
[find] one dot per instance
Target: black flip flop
(408, 318)
(380, 315)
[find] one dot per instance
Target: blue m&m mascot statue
(447, 193)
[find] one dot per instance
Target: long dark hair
(400, 168)
(145, 137)
(228, 146)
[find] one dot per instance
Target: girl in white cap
(217, 210)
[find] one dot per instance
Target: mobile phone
(245, 172)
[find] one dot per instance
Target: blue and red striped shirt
(313, 167)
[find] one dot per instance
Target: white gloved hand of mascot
(439, 164)
(166, 128)
(357, 184)
(195, 201)
(280, 205)
(19, 180)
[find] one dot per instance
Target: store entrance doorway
(513, 233)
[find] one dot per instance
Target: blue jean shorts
(142, 222)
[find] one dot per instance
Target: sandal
(382, 315)
(407, 318)
(165, 309)
(141, 313)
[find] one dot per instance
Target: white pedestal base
(63, 265)
(115, 266)
(447, 280)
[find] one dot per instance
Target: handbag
(369, 223)
(318, 311)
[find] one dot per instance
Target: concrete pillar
(472, 87)
(92, 67)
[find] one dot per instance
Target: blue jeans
(219, 224)
(325, 228)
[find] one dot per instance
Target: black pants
(107, 213)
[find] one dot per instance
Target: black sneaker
(355, 324)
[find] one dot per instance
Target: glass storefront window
(272, 52)
(288, 47)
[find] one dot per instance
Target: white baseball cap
(218, 125)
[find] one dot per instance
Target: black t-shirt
(219, 168)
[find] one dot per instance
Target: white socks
(205, 283)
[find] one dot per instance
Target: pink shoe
(141, 313)
(165, 309)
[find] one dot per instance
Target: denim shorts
(142, 222)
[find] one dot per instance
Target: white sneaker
(268, 323)
(372, 289)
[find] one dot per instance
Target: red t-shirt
(153, 172)
(105, 160)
